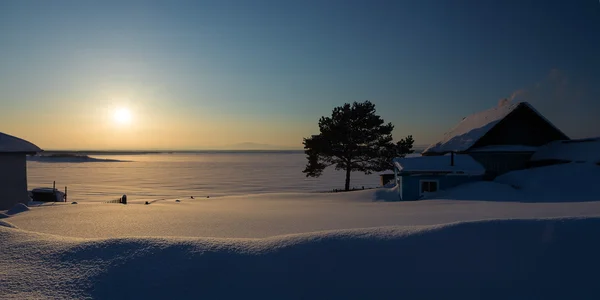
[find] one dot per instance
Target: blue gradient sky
(198, 74)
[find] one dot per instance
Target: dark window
(429, 186)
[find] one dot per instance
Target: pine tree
(400, 149)
(354, 138)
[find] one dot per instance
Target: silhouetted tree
(352, 139)
(400, 149)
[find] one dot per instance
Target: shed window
(429, 186)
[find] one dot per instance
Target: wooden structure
(502, 139)
(418, 176)
(13, 170)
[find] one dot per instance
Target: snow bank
(566, 182)
(583, 150)
(504, 259)
(266, 215)
(6, 224)
(18, 208)
(386, 194)
(69, 158)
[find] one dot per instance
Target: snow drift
(559, 183)
(18, 208)
(502, 259)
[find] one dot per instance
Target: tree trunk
(348, 169)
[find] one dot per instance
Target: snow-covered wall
(411, 185)
(13, 180)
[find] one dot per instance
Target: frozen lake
(181, 175)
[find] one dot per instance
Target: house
(13, 170)
(417, 176)
(570, 151)
(502, 139)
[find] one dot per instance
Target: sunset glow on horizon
(209, 74)
(122, 116)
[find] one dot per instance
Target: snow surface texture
(266, 215)
(462, 163)
(513, 195)
(18, 208)
(502, 259)
(583, 150)
(567, 182)
(573, 182)
(9, 143)
(317, 245)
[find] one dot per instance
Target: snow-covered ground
(504, 259)
(529, 235)
(257, 216)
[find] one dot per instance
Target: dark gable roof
(472, 128)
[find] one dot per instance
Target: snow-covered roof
(581, 150)
(505, 148)
(463, 164)
(9, 143)
(474, 127)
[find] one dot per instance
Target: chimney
(452, 158)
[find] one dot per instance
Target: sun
(122, 116)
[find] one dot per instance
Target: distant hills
(258, 146)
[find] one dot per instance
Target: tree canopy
(353, 139)
(400, 149)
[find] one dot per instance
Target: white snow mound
(572, 182)
(499, 259)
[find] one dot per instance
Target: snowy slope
(584, 150)
(558, 183)
(488, 242)
(257, 216)
(503, 259)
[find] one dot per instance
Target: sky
(187, 75)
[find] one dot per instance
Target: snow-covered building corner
(13, 170)
(416, 177)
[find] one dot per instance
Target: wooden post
(65, 193)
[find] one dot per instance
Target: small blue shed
(419, 176)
